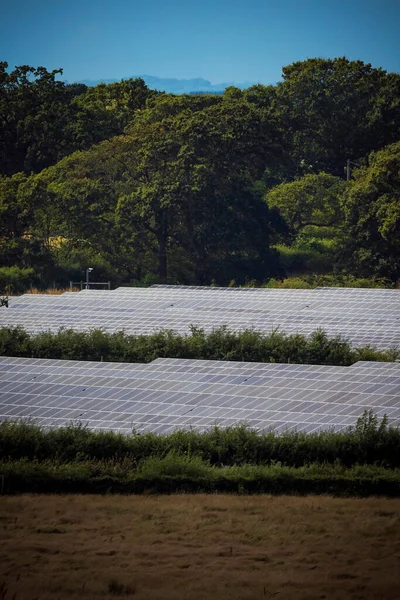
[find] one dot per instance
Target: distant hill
(175, 86)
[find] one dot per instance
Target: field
(199, 546)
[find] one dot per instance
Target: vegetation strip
(220, 344)
(362, 461)
(179, 473)
(370, 442)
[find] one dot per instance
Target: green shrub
(370, 442)
(313, 280)
(14, 280)
(174, 464)
(220, 344)
(191, 475)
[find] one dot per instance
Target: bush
(174, 464)
(220, 344)
(34, 477)
(14, 280)
(370, 442)
(312, 281)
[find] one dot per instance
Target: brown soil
(198, 547)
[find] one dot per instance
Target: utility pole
(89, 270)
(356, 163)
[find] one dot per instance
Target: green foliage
(336, 109)
(174, 464)
(185, 195)
(369, 442)
(312, 200)
(15, 280)
(196, 189)
(105, 110)
(372, 210)
(178, 474)
(220, 344)
(291, 283)
(329, 280)
(42, 119)
(307, 255)
(35, 115)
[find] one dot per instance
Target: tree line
(150, 187)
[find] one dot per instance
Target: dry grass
(53, 291)
(198, 547)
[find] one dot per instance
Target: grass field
(198, 547)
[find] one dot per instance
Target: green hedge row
(177, 473)
(221, 344)
(370, 442)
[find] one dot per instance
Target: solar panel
(170, 394)
(363, 316)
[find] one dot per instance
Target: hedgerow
(369, 442)
(220, 344)
(177, 473)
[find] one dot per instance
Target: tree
(105, 110)
(262, 96)
(35, 118)
(16, 214)
(372, 213)
(43, 120)
(332, 110)
(20, 241)
(192, 188)
(174, 197)
(312, 200)
(164, 106)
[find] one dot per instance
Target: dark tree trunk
(162, 237)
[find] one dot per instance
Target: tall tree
(35, 119)
(336, 109)
(43, 120)
(21, 243)
(372, 211)
(105, 110)
(174, 196)
(193, 187)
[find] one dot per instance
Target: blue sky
(220, 40)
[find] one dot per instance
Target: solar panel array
(363, 316)
(170, 394)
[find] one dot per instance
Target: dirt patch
(199, 547)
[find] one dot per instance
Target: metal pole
(87, 279)
(109, 285)
(70, 286)
(348, 170)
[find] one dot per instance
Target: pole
(348, 171)
(87, 279)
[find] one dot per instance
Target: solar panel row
(170, 394)
(363, 316)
